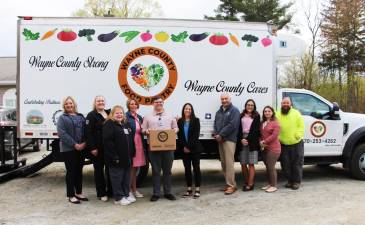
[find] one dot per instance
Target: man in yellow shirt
(291, 139)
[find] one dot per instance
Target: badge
(126, 131)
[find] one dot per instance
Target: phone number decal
(319, 141)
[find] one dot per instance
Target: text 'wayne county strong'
(62, 62)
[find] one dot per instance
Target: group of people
(277, 134)
(114, 141)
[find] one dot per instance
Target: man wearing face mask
(291, 139)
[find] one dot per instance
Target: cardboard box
(162, 140)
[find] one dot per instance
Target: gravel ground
(327, 197)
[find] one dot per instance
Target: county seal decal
(147, 72)
(318, 129)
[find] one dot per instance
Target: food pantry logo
(318, 129)
(147, 72)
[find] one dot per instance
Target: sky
(10, 9)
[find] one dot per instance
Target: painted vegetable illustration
(48, 34)
(146, 36)
(67, 35)
(129, 35)
(234, 39)
(108, 37)
(249, 38)
(198, 37)
(87, 33)
(218, 39)
(29, 35)
(162, 36)
(180, 37)
(147, 77)
(266, 41)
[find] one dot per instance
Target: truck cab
(331, 135)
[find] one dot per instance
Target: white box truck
(181, 60)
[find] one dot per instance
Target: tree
(343, 30)
(314, 21)
(120, 8)
(299, 71)
(254, 11)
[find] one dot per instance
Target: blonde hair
(98, 96)
(112, 112)
(129, 102)
(64, 103)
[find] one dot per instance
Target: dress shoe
(230, 190)
(170, 197)
(154, 198)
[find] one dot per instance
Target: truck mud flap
(27, 170)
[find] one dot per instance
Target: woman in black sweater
(118, 150)
(94, 142)
(190, 147)
(249, 137)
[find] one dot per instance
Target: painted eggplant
(198, 37)
(108, 37)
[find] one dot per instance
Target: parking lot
(328, 196)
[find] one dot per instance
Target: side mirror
(335, 111)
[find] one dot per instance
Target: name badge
(126, 131)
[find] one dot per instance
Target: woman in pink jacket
(270, 145)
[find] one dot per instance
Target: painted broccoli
(87, 33)
(249, 38)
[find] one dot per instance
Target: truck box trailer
(180, 60)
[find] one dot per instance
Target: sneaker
(104, 198)
(131, 198)
(137, 194)
(123, 201)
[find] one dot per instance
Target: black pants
(101, 176)
(121, 181)
(292, 160)
(74, 161)
(161, 160)
(188, 160)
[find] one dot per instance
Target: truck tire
(357, 162)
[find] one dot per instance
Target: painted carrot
(48, 34)
(234, 39)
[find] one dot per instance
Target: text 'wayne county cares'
(62, 62)
(222, 86)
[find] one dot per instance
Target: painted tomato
(218, 39)
(67, 35)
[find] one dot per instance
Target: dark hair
(157, 97)
(254, 112)
(263, 113)
(192, 116)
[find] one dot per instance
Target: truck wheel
(357, 166)
(143, 171)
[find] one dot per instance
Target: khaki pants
(226, 153)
